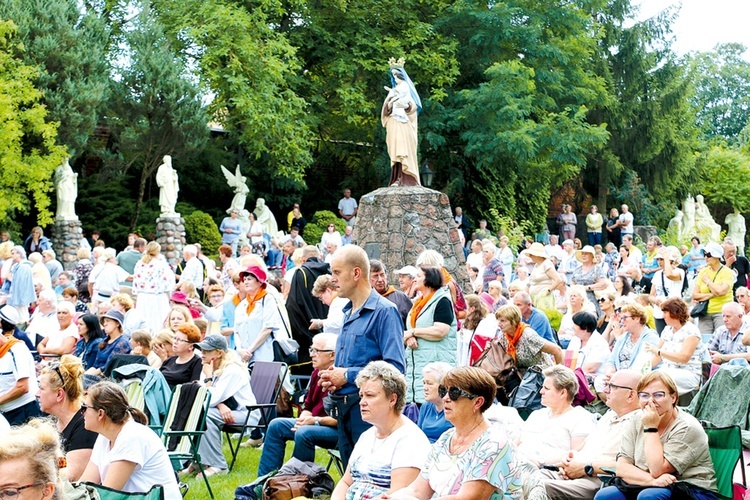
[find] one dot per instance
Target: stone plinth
(645, 232)
(66, 240)
(170, 234)
(395, 224)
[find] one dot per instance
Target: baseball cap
(213, 342)
(410, 270)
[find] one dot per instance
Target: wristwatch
(317, 420)
(650, 429)
(208, 379)
(589, 470)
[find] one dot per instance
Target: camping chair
(190, 437)
(725, 446)
(106, 493)
(134, 392)
(265, 379)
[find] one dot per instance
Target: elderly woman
(474, 459)
(587, 349)
(544, 279)
(630, 349)
(185, 365)
(431, 415)
(479, 327)
(590, 276)
(63, 340)
(568, 263)
(325, 290)
(29, 462)
(257, 318)
(127, 455)
(713, 284)
(388, 455)
(662, 445)
(680, 349)
(577, 302)
(153, 280)
(60, 395)
(550, 433)
(431, 334)
(519, 340)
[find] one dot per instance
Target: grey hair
(563, 378)
(19, 249)
(390, 378)
(438, 368)
(430, 258)
(190, 249)
(524, 297)
(329, 340)
(48, 294)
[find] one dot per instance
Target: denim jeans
(305, 439)
(612, 493)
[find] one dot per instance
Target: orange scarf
(418, 306)
(513, 340)
(258, 296)
(10, 341)
(388, 292)
(447, 278)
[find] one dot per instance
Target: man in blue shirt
(372, 330)
(533, 317)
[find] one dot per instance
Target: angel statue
(236, 181)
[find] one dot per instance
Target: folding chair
(106, 493)
(192, 433)
(265, 379)
(134, 392)
(725, 446)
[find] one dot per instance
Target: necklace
(458, 444)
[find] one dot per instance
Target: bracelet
(208, 379)
(658, 352)
(650, 429)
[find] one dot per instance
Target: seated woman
(185, 366)
(127, 455)
(431, 415)
(662, 445)
(549, 434)
(92, 335)
(229, 383)
(60, 395)
(680, 348)
(521, 341)
(577, 302)
(115, 343)
(177, 316)
(63, 339)
(629, 350)
(388, 455)
(133, 319)
(587, 350)
(29, 460)
(140, 343)
(478, 328)
(474, 459)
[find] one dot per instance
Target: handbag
(528, 395)
(699, 309)
(286, 487)
(496, 361)
(284, 349)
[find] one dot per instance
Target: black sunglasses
(85, 407)
(454, 393)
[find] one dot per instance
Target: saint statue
(675, 224)
(66, 187)
(704, 222)
(236, 181)
(266, 218)
(166, 179)
(688, 219)
(736, 230)
(399, 117)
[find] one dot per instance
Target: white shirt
(17, 364)
(107, 281)
(193, 272)
(595, 351)
(628, 220)
(56, 337)
(548, 440)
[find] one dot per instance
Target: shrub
(320, 220)
(201, 228)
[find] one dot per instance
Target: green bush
(554, 317)
(201, 228)
(320, 220)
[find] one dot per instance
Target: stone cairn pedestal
(66, 240)
(395, 224)
(170, 234)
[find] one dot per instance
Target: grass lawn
(244, 472)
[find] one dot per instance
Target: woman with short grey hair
(431, 415)
(387, 456)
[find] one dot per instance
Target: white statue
(704, 223)
(688, 219)
(245, 224)
(66, 187)
(236, 181)
(265, 217)
(169, 186)
(675, 224)
(736, 230)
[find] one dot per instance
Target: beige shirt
(603, 443)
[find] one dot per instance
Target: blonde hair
(227, 358)
(70, 371)
(153, 249)
(124, 300)
(188, 288)
(162, 337)
(5, 249)
(37, 442)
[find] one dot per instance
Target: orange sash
(513, 340)
(258, 296)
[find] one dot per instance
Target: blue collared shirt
(374, 332)
(539, 322)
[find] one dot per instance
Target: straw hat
(536, 250)
(586, 249)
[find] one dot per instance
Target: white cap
(410, 270)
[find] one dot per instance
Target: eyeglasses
(183, 341)
(656, 396)
(625, 316)
(216, 296)
(56, 367)
(454, 393)
(603, 299)
(318, 351)
(608, 387)
(13, 492)
(85, 407)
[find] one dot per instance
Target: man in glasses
(313, 427)
(577, 477)
(379, 281)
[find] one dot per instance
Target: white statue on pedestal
(675, 224)
(736, 230)
(66, 187)
(704, 223)
(236, 181)
(265, 217)
(245, 224)
(688, 218)
(169, 186)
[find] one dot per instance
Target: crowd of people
(393, 382)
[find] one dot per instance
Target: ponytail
(138, 415)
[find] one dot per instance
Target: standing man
(372, 330)
(462, 222)
(737, 263)
(625, 222)
(379, 282)
(348, 208)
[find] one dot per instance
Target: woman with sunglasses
(662, 445)
(388, 455)
(29, 462)
(330, 235)
(606, 303)
(60, 395)
(127, 455)
(474, 459)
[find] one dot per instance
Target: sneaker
(191, 468)
(212, 471)
(253, 443)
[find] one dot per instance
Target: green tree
(722, 174)
(69, 49)
(28, 153)
(155, 109)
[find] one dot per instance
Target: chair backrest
(725, 446)
(105, 493)
(265, 379)
(196, 420)
(134, 391)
